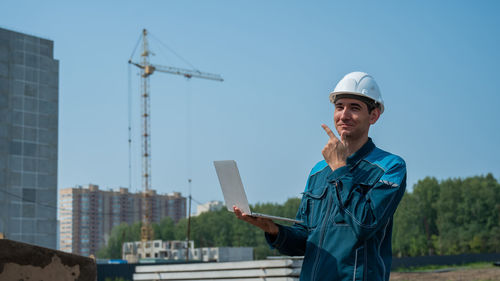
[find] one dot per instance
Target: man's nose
(345, 114)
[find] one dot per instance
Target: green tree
(408, 231)
(120, 234)
(426, 192)
(165, 229)
(468, 217)
(454, 216)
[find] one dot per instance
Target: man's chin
(345, 133)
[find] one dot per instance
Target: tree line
(211, 229)
(449, 217)
(453, 216)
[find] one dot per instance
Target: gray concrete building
(29, 78)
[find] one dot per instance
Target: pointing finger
(328, 131)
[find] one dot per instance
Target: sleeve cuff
(341, 190)
(275, 241)
(339, 172)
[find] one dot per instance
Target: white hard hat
(359, 84)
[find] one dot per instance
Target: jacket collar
(361, 153)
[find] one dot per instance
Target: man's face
(352, 119)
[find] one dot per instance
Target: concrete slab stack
(269, 270)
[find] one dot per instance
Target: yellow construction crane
(146, 70)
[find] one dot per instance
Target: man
(348, 205)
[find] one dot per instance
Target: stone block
(21, 261)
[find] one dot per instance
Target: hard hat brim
(334, 94)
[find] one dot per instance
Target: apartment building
(209, 207)
(87, 214)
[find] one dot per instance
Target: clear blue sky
(436, 63)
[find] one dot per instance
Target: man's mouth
(345, 125)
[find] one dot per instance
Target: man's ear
(374, 115)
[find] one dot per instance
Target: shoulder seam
(375, 164)
(318, 171)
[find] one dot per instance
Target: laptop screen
(231, 185)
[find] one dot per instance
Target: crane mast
(147, 69)
(146, 229)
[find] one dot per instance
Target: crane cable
(188, 161)
(189, 141)
(136, 45)
(129, 128)
(173, 52)
(130, 114)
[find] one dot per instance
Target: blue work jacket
(347, 218)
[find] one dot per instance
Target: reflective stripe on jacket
(347, 218)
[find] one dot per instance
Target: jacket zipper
(322, 234)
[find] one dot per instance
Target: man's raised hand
(335, 151)
(263, 223)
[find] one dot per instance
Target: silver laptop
(234, 193)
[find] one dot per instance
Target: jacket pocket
(313, 206)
